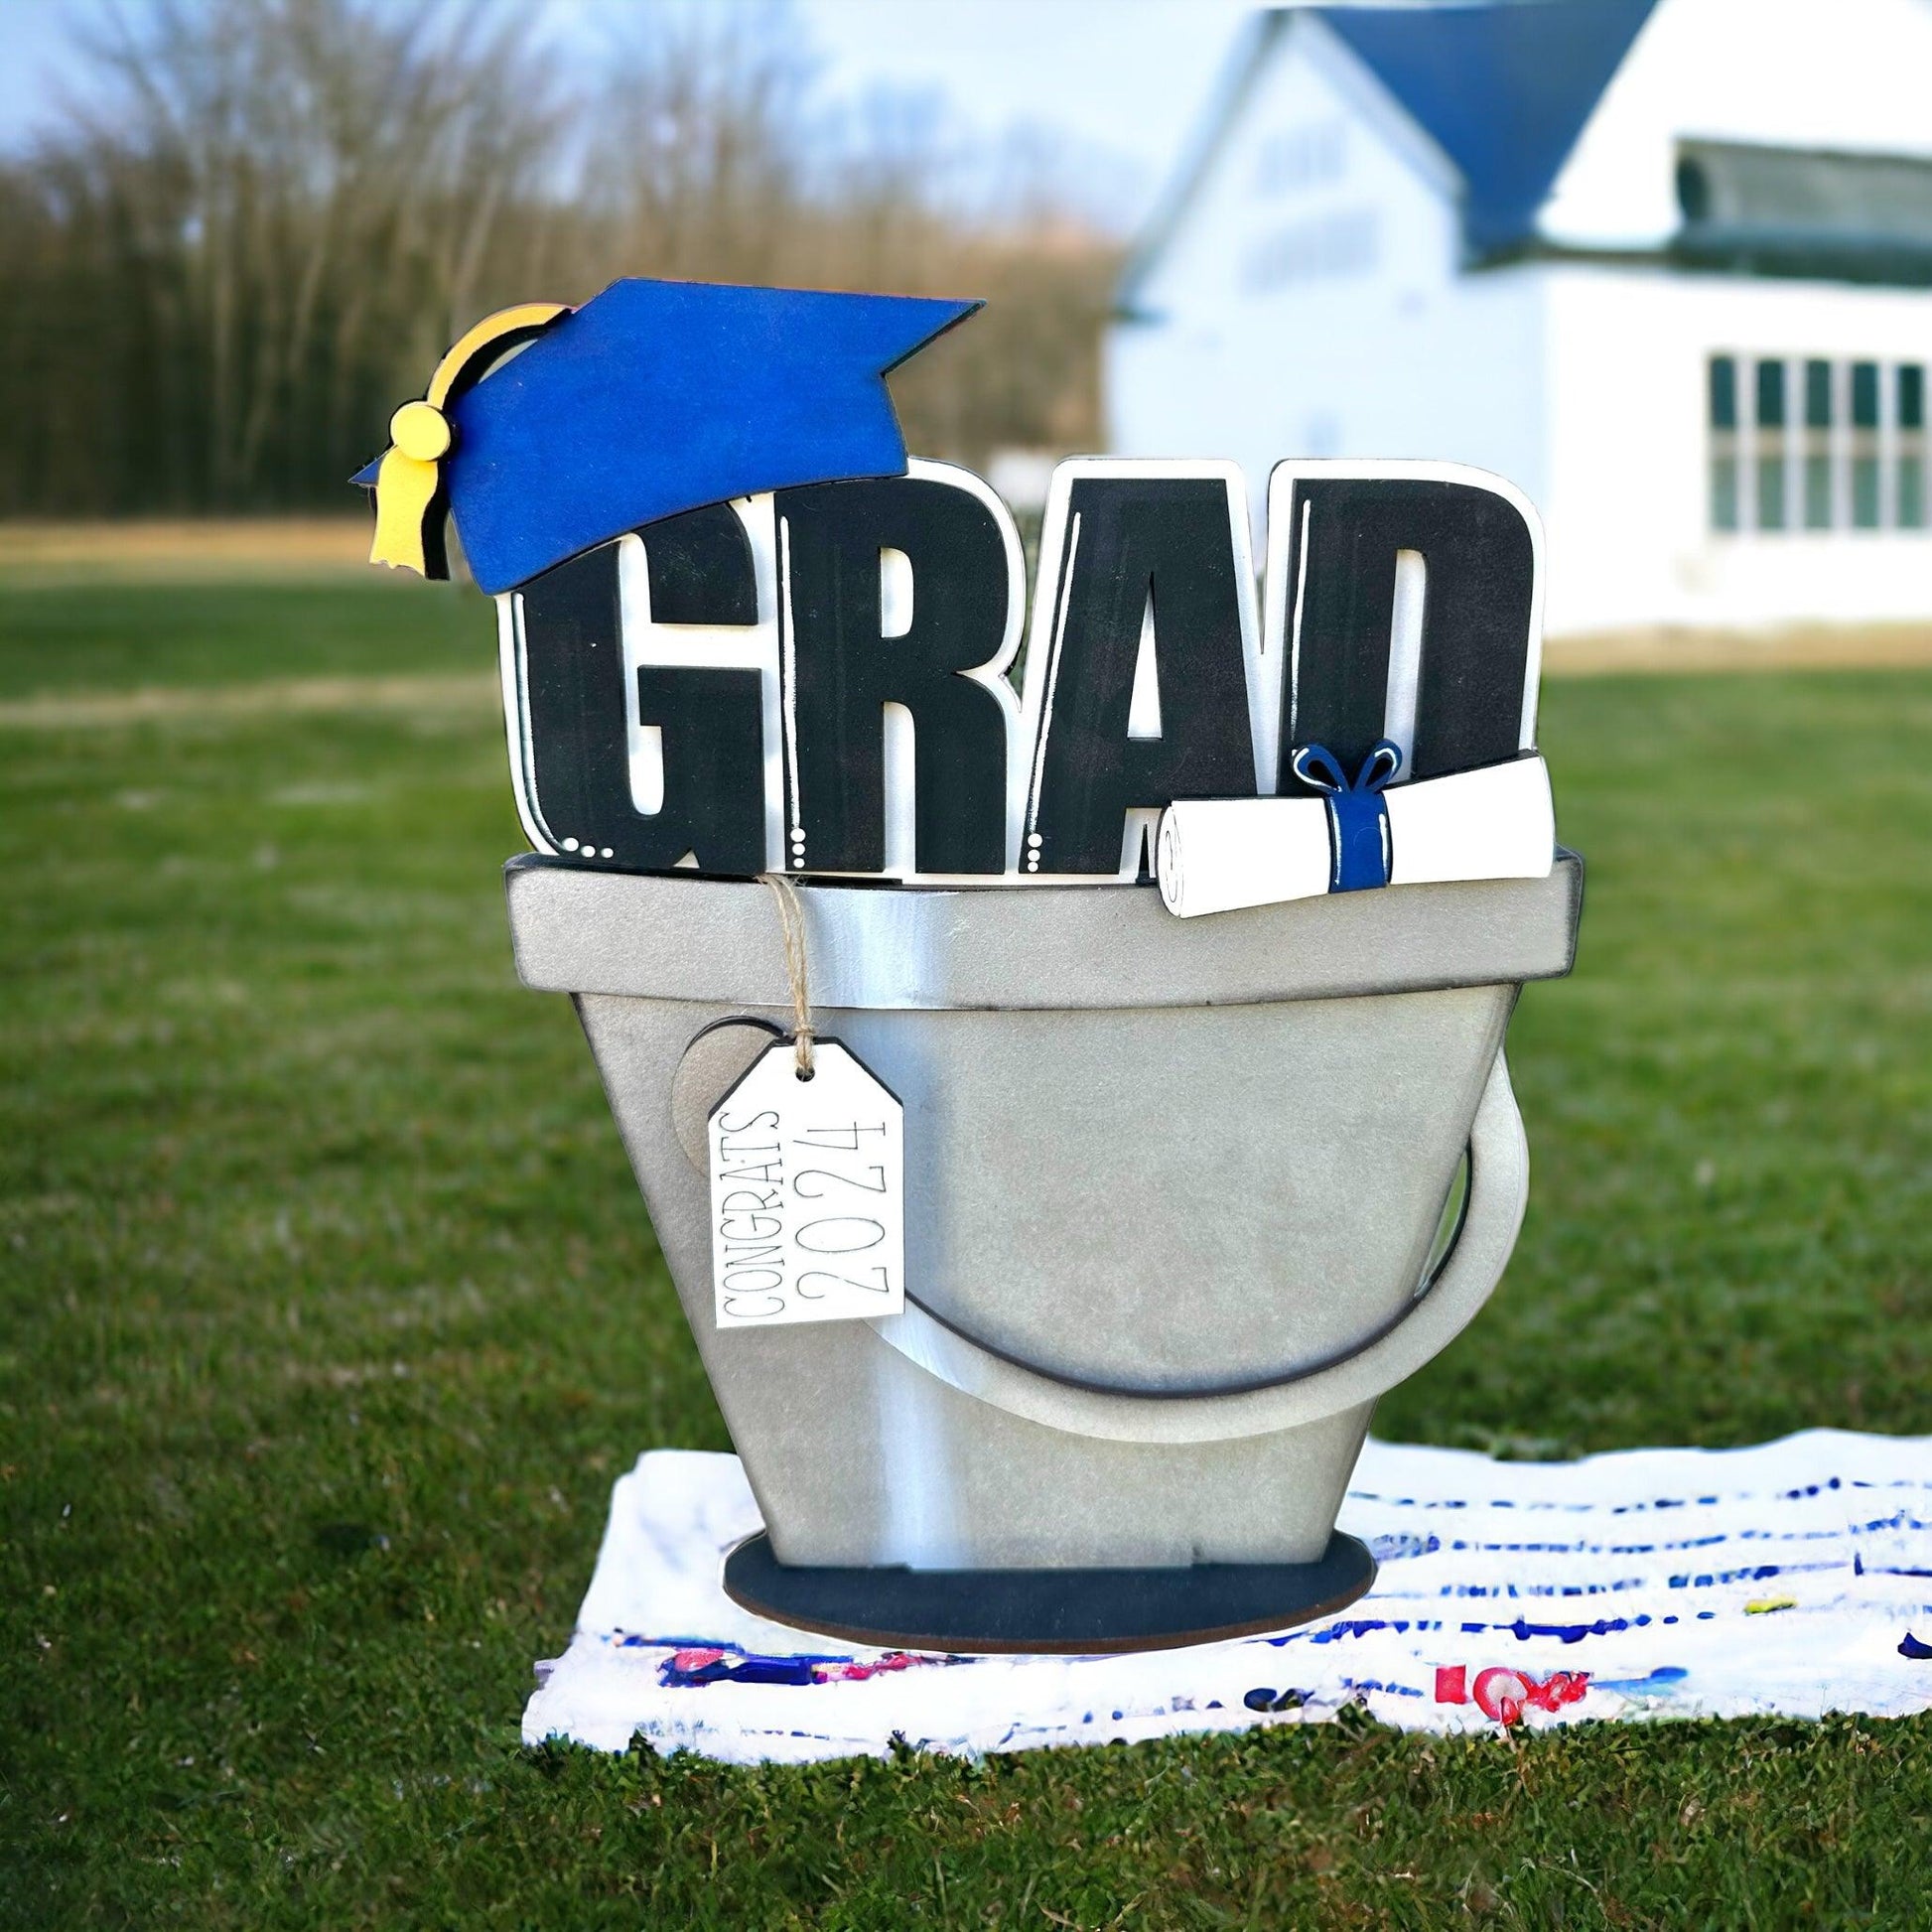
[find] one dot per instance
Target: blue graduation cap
(652, 398)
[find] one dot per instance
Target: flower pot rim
(995, 948)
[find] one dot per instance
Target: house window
(1909, 479)
(1295, 159)
(1818, 446)
(1723, 443)
(1864, 446)
(1768, 455)
(1320, 247)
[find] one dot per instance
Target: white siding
(1309, 302)
(1583, 384)
(1627, 498)
(1849, 74)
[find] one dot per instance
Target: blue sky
(1120, 80)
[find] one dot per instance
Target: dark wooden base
(1082, 1612)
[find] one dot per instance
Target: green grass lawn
(328, 1311)
(127, 634)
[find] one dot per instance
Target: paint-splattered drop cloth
(1795, 1578)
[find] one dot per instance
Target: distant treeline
(271, 216)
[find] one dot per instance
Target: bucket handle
(1499, 1186)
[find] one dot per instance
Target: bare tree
(275, 213)
(711, 159)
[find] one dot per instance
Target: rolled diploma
(1216, 855)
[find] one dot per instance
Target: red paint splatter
(851, 1673)
(695, 1659)
(1504, 1695)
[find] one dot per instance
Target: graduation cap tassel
(406, 488)
(410, 499)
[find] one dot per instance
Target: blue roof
(1503, 90)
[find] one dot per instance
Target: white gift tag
(807, 1193)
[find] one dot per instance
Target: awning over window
(1787, 212)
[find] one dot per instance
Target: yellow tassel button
(421, 430)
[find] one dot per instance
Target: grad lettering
(709, 719)
(1136, 561)
(1413, 600)
(945, 542)
(867, 724)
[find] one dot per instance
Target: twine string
(792, 919)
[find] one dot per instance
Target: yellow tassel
(408, 486)
(404, 490)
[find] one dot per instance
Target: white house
(1666, 264)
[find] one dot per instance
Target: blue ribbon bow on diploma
(1358, 820)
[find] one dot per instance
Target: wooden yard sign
(1048, 1300)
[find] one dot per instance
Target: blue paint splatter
(1335, 1632)
(632, 1640)
(1915, 1648)
(1376, 1684)
(1749, 1574)
(1266, 1698)
(1659, 1683)
(1569, 1632)
(738, 1670)
(1391, 1549)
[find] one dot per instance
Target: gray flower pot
(1171, 1192)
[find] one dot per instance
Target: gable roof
(1503, 88)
